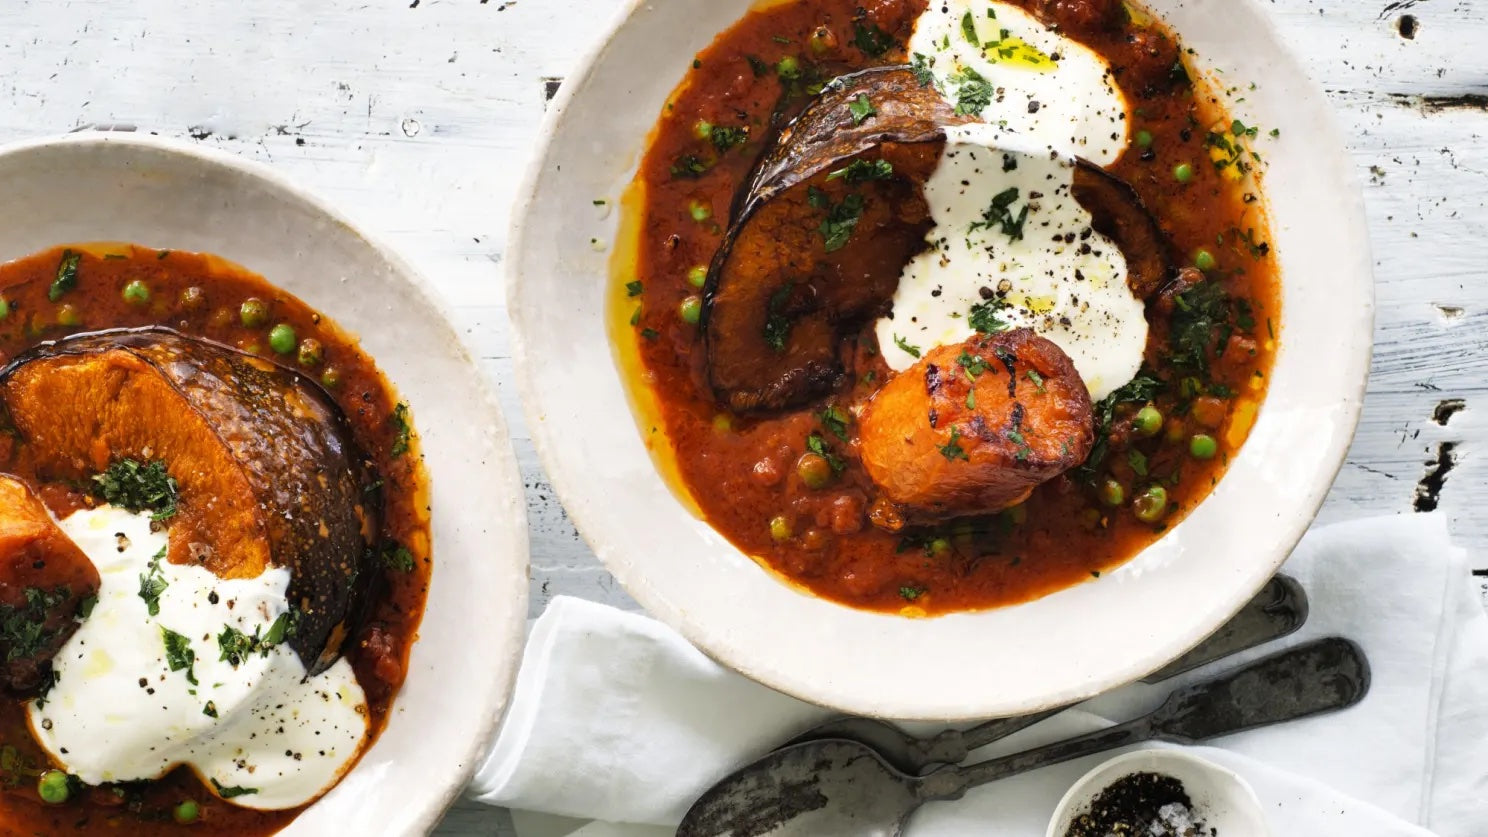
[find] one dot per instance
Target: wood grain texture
(417, 118)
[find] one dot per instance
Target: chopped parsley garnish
(67, 275)
(817, 445)
(909, 594)
(841, 219)
(1017, 438)
(984, 317)
(689, 166)
(912, 351)
(1038, 381)
(836, 420)
(920, 66)
(401, 430)
(952, 450)
(395, 556)
(999, 215)
(650, 333)
(777, 324)
(229, 793)
(633, 288)
(24, 628)
(1138, 462)
(152, 584)
(1201, 319)
(758, 67)
(973, 364)
(210, 710)
(870, 39)
(860, 170)
(178, 653)
(138, 487)
(237, 647)
(1239, 129)
(968, 30)
(85, 607)
(973, 94)
(862, 109)
(1139, 390)
(725, 138)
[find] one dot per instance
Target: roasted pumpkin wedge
(269, 474)
(973, 428)
(44, 582)
(784, 287)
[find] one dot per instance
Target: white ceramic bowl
(1061, 648)
(1221, 799)
(122, 187)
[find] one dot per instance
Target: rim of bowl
(503, 676)
(821, 693)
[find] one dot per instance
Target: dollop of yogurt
(177, 666)
(1033, 85)
(1010, 240)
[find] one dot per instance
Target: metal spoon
(1278, 610)
(843, 789)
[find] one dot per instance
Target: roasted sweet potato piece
(973, 428)
(267, 468)
(44, 579)
(780, 295)
(1118, 213)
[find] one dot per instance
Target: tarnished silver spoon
(1278, 610)
(843, 789)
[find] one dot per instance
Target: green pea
(703, 129)
(780, 528)
(698, 276)
(722, 423)
(331, 377)
(789, 67)
(1112, 494)
(137, 293)
(814, 470)
(53, 787)
(691, 310)
(1204, 260)
(254, 312)
(1183, 172)
(1151, 504)
(1202, 446)
(69, 315)
(939, 548)
(700, 211)
(311, 352)
(4, 308)
(187, 812)
(282, 338)
(1147, 422)
(193, 298)
(1144, 139)
(821, 40)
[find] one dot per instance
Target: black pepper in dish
(1146, 804)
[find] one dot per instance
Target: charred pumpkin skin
(968, 430)
(772, 264)
(268, 472)
(35, 555)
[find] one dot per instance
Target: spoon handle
(1321, 676)
(1278, 610)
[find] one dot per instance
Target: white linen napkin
(617, 719)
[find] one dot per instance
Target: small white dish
(92, 187)
(1221, 799)
(1018, 660)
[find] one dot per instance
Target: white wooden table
(417, 116)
